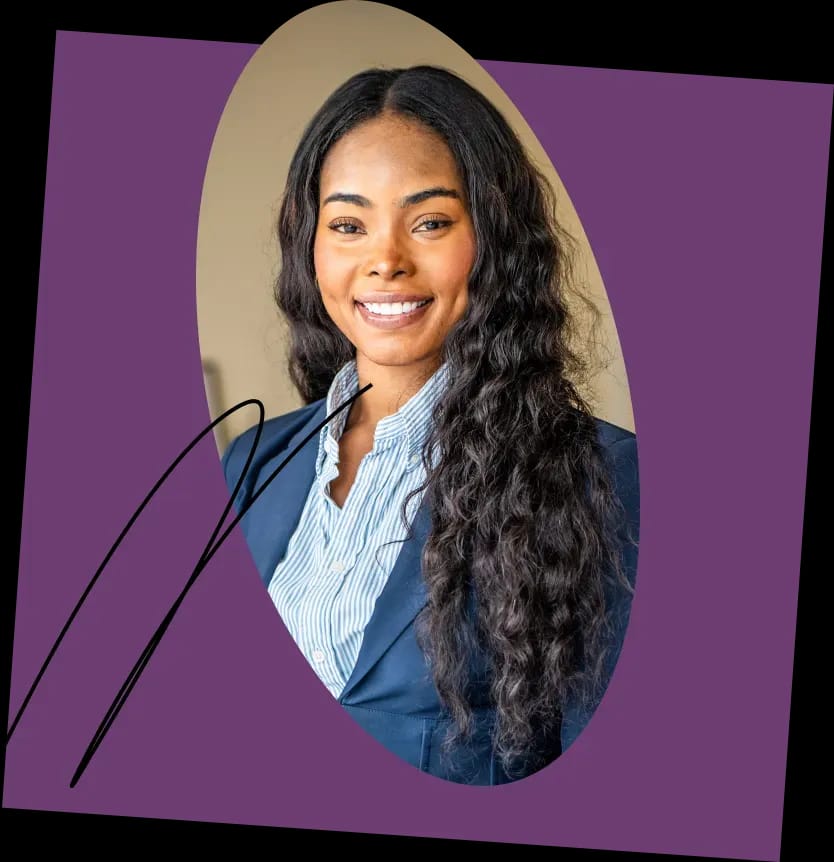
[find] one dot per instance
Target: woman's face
(394, 243)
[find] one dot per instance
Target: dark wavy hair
(524, 516)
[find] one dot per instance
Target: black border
(696, 42)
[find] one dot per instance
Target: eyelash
(340, 223)
(440, 222)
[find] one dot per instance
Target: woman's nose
(389, 259)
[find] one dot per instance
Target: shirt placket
(323, 654)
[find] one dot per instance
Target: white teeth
(392, 308)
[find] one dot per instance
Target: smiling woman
(455, 554)
(393, 245)
(411, 227)
(392, 265)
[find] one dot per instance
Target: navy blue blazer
(390, 692)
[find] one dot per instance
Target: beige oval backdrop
(242, 334)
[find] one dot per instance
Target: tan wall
(242, 337)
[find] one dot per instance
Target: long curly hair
(523, 513)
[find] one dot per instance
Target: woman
(453, 553)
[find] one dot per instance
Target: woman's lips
(395, 320)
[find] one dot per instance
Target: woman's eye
(432, 224)
(345, 227)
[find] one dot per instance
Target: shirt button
(337, 566)
(318, 656)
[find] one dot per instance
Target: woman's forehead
(388, 150)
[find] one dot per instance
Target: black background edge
(780, 50)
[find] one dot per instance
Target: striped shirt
(338, 560)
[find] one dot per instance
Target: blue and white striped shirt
(338, 560)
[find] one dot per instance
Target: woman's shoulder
(277, 426)
(275, 435)
(618, 447)
(610, 435)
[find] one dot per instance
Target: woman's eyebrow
(407, 201)
(346, 198)
(435, 192)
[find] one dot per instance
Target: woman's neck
(392, 386)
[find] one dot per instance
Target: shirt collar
(344, 384)
(413, 420)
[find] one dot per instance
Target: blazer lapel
(283, 498)
(402, 598)
(404, 594)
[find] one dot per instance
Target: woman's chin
(396, 362)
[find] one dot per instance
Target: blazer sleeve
(622, 458)
(276, 435)
(234, 461)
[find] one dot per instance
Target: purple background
(703, 200)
